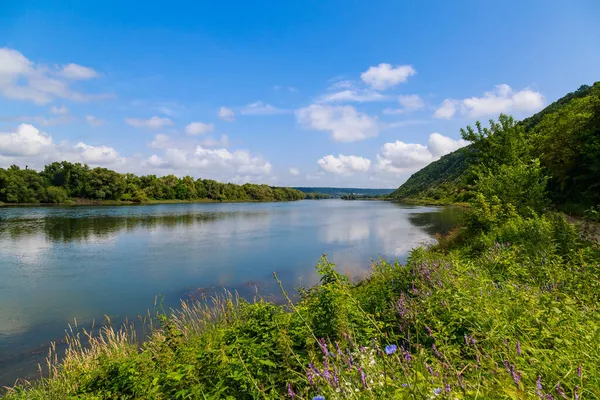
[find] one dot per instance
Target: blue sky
(306, 93)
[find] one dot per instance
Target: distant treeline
(354, 196)
(60, 181)
(339, 192)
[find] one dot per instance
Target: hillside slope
(565, 136)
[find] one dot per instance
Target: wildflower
(539, 389)
(579, 371)
(560, 390)
(437, 353)
(323, 347)
(407, 356)
(576, 393)
(518, 348)
(437, 391)
(290, 391)
(429, 369)
(405, 385)
(319, 398)
(429, 331)
(363, 377)
(390, 349)
(466, 340)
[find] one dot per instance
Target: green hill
(565, 137)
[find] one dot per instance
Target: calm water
(60, 263)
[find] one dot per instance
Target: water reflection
(60, 263)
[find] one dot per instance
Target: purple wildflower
(437, 391)
(579, 370)
(429, 369)
(518, 348)
(309, 376)
(405, 385)
(323, 346)
(429, 331)
(448, 388)
(319, 398)
(549, 397)
(436, 352)
(290, 391)
(390, 349)
(363, 378)
(539, 389)
(576, 393)
(315, 369)
(466, 340)
(560, 390)
(407, 356)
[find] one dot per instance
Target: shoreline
(78, 203)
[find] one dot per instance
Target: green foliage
(565, 137)
(61, 181)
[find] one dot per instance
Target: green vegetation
(339, 192)
(61, 181)
(564, 137)
(506, 306)
(353, 196)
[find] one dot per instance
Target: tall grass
(511, 313)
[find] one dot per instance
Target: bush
(55, 195)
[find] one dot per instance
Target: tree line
(59, 182)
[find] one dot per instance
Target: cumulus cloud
(22, 79)
(260, 108)
(26, 141)
(100, 155)
(198, 128)
(399, 157)
(344, 165)
(344, 123)
(75, 71)
(94, 122)
(294, 171)
(385, 76)
(152, 123)
(239, 162)
(223, 141)
(226, 114)
(31, 146)
(503, 99)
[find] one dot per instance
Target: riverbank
(87, 202)
(512, 311)
(430, 202)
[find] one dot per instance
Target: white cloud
(21, 79)
(239, 162)
(352, 96)
(344, 123)
(74, 71)
(294, 171)
(26, 141)
(161, 141)
(500, 100)
(226, 114)
(344, 165)
(260, 108)
(152, 123)
(399, 157)
(385, 76)
(198, 128)
(446, 110)
(342, 84)
(94, 122)
(28, 145)
(62, 110)
(409, 102)
(99, 155)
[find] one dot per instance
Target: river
(61, 263)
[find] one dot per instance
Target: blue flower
(319, 398)
(390, 349)
(437, 391)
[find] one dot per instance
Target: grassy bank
(512, 313)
